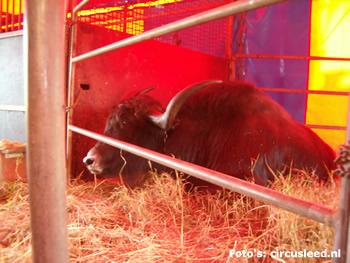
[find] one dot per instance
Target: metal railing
(308, 209)
(338, 219)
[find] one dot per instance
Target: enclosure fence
(136, 17)
(313, 211)
(338, 219)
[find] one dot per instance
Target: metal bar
(269, 196)
(327, 127)
(7, 16)
(18, 5)
(269, 56)
(20, 15)
(70, 85)
(44, 53)
(11, 34)
(79, 6)
(229, 47)
(303, 91)
(13, 15)
(308, 62)
(348, 234)
(342, 222)
(201, 18)
(1, 16)
(12, 108)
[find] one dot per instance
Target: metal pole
(342, 221)
(342, 226)
(12, 108)
(229, 47)
(44, 49)
(201, 18)
(79, 6)
(70, 86)
(266, 195)
(7, 16)
(1, 4)
(13, 16)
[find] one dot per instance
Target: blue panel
(273, 73)
(278, 73)
(281, 29)
(293, 103)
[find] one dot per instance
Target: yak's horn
(144, 91)
(166, 120)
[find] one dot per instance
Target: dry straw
(164, 223)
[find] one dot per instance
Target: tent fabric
(303, 28)
(281, 29)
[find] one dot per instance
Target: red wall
(113, 75)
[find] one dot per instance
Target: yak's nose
(88, 160)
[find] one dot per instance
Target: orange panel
(327, 110)
(333, 137)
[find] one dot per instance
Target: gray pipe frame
(70, 83)
(294, 205)
(79, 6)
(45, 69)
(342, 228)
(201, 18)
(266, 195)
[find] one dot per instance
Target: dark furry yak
(230, 127)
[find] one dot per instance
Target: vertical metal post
(70, 85)
(20, 15)
(342, 227)
(239, 42)
(7, 16)
(44, 49)
(0, 16)
(70, 91)
(13, 15)
(229, 46)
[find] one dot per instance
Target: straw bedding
(163, 223)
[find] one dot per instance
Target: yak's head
(138, 120)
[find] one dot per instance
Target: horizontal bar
(304, 208)
(327, 127)
(269, 56)
(80, 6)
(304, 91)
(201, 18)
(12, 108)
(11, 34)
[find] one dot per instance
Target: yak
(230, 127)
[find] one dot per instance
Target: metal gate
(337, 219)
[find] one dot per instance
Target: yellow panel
(330, 22)
(333, 137)
(327, 110)
(330, 37)
(330, 75)
(13, 7)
